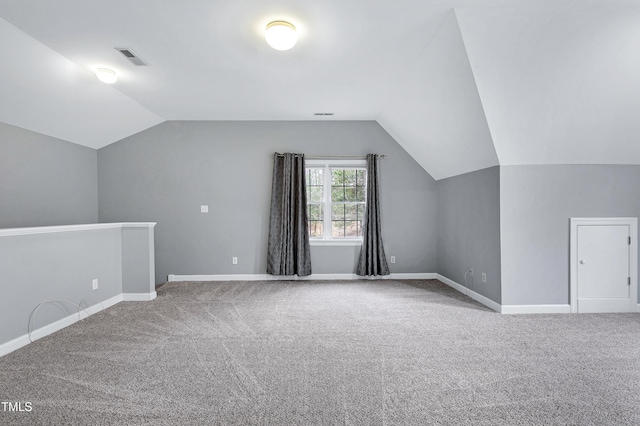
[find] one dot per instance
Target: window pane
(314, 194)
(315, 228)
(314, 211)
(337, 194)
(350, 194)
(350, 177)
(314, 185)
(337, 229)
(362, 178)
(351, 211)
(337, 212)
(314, 176)
(351, 228)
(360, 194)
(337, 177)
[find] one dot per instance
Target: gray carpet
(323, 353)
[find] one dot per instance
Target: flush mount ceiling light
(106, 75)
(281, 35)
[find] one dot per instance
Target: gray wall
(138, 260)
(165, 173)
(45, 181)
(469, 230)
(537, 203)
(61, 265)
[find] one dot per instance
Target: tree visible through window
(335, 201)
(315, 203)
(347, 202)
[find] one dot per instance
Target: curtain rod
(324, 157)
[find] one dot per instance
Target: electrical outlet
(94, 284)
(484, 277)
(393, 259)
(234, 260)
(204, 209)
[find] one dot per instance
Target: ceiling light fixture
(281, 35)
(106, 75)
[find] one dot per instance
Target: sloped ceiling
(559, 84)
(42, 91)
(436, 111)
(461, 84)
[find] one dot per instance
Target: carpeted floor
(325, 353)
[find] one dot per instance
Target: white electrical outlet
(393, 259)
(204, 209)
(234, 260)
(95, 284)
(484, 277)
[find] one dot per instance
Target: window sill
(336, 242)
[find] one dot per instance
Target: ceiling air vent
(320, 114)
(132, 57)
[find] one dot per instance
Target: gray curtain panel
(372, 259)
(288, 252)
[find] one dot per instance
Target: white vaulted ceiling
(559, 84)
(461, 85)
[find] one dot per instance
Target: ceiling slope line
(559, 84)
(62, 99)
(380, 118)
(473, 75)
(436, 115)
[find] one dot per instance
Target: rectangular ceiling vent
(131, 57)
(320, 114)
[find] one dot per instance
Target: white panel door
(604, 269)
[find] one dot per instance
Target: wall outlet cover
(94, 284)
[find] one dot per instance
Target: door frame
(632, 222)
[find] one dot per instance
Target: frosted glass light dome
(281, 35)
(106, 75)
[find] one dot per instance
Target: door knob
(582, 262)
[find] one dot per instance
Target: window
(336, 194)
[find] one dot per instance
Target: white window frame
(327, 165)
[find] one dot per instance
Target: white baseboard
(267, 277)
(462, 289)
(536, 309)
(48, 329)
(507, 309)
(413, 276)
(138, 297)
(73, 318)
(472, 294)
